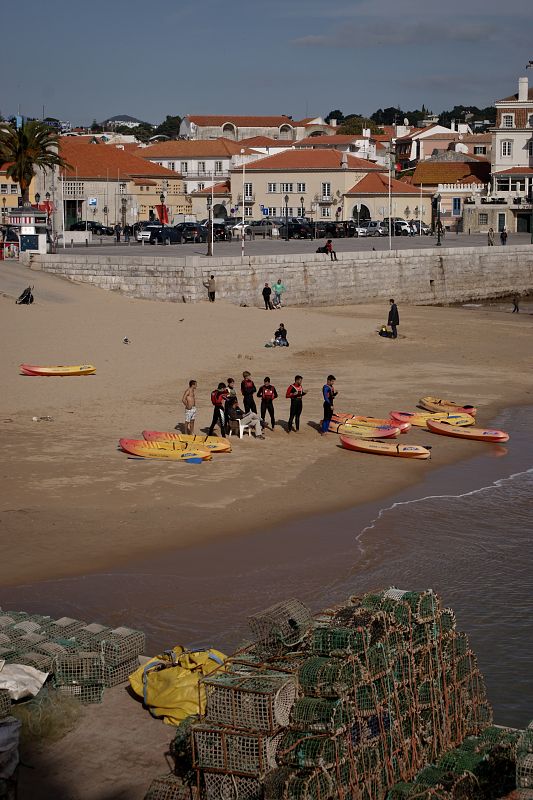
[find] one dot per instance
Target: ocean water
(466, 532)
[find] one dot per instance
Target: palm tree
(33, 146)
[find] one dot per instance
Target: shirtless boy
(189, 401)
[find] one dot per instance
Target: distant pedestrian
(278, 289)
(248, 390)
(189, 401)
(503, 237)
(330, 250)
(268, 394)
(329, 394)
(218, 399)
(118, 231)
(394, 318)
(267, 291)
(127, 233)
(490, 237)
(211, 287)
(280, 336)
(516, 309)
(295, 393)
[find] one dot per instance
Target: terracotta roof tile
(325, 139)
(306, 159)
(514, 97)
(240, 121)
(378, 183)
(192, 148)
(515, 171)
(218, 189)
(264, 141)
(103, 161)
(435, 172)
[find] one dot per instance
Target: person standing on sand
(189, 401)
(211, 287)
(490, 237)
(278, 288)
(394, 318)
(218, 399)
(329, 394)
(295, 393)
(268, 394)
(503, 237)
(248, 390)
(267, 291)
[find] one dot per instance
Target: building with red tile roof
(238, 127)
(369, 199)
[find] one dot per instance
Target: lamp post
(286, 198)
(37, 199)
(302, 207)
(437, 201)
(162, 200)
(210, 228)
(3, 210)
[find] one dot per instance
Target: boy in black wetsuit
(248, 390)
(268, 394)
(295, 393)
(329, 395)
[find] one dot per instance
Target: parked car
(220, 232)
(417, 226)
(264, 227)
(143, 230)
(93, 227)
(400, 226)
(191, 232)
(296, 230)
(160, 234)
(375, 227)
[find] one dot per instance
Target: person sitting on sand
(189, 401)
(280, 336)
(248, 418)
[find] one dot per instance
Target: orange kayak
(371, 422)
(438, 404)
(476, 434)
(386, 448)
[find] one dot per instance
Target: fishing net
(5, 703)
(47, 717)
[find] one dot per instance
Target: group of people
(272, 295)
(491, 235)
(227, 412)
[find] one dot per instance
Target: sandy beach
(73, 503)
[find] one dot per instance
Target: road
(267, 247)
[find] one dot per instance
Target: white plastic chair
(244, 427)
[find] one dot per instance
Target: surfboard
(57, 371)
(175, 451)
(476, 434)
(438, 404)
(418, 418)
(216, 444)
(365, 432)
(357, 420)
(386, 448)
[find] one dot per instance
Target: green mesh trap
(171, 787)
(115, 674)
(329, 677)
(84, 693)
(90, 637)
(524, 771)
(5, 703)
(231, 787)
(78, 668)
(65, 627)
(237, 752)
(121, 644)
(281, 626)
(340, 641)
(40, 661)
(447, 621)
(320, 714)
(302, 749)
(288, 784)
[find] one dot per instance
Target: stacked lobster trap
(343, 705)
(82, 659)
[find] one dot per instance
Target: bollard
(86, 243)
(72, 242)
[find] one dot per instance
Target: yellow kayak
(438, 404)
(419, 418)
(216, 444)
(59, 371)
(365, 431)
(174, 451)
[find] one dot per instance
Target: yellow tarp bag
(168, 683)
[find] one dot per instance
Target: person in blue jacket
(329, 394)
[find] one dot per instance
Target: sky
(93, 60)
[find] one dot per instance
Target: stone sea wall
(429, 276)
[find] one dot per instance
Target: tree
(354, 124)
(336, 114)
(388, 116)
(96, 128)
(32, 146)
(169, 127)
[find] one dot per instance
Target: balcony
(326, 198)
(205, 176)
(248, 198)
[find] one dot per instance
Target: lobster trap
(330, 677)
(122, 644)
(171, 787)
(281, 627)
(115, 674)
(231, 787)
(5, 703)
(83, 669)
(236, 752)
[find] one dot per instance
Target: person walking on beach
(278, 289)
(394, 318)
(330, 250)
(189, 401)
(267, 291)
(516, 309)
(503, 237)
(211, 287)
(248, 418)
(295, 393)
(490, 237)
(218, 399)
(267, 393)
(248, 390)
(329, 394)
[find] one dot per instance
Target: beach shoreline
(74, 505)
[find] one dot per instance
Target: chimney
(523, 89)
(344, 161)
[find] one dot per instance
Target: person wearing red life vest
(248, 390)
(268, 394)
(295, 393)
(218, 399)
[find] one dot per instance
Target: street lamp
(210, 228)
(37, 199)
(287, 217)
(437, 201)
(302, 207)
(162, 200)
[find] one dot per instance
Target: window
(14, 188)
(218, 167)
(122, 188)
(272, 187)
(456, 206)
(248, 211)
(201, 167)
(502, 184)
(73, 189)
(325, 211)
(518, 184)
(507, 148)
(171, 165)
(530, 121)
(507, 120)
(248, 190)
(300, 187)
(3, 188)
(272, 212)
(480, 150)
(184, 167)
(326, 191)
(201, 186)
(285, 187)
(483, 219)
(530, 147)
(300, 211)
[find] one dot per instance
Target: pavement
(267, 247)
